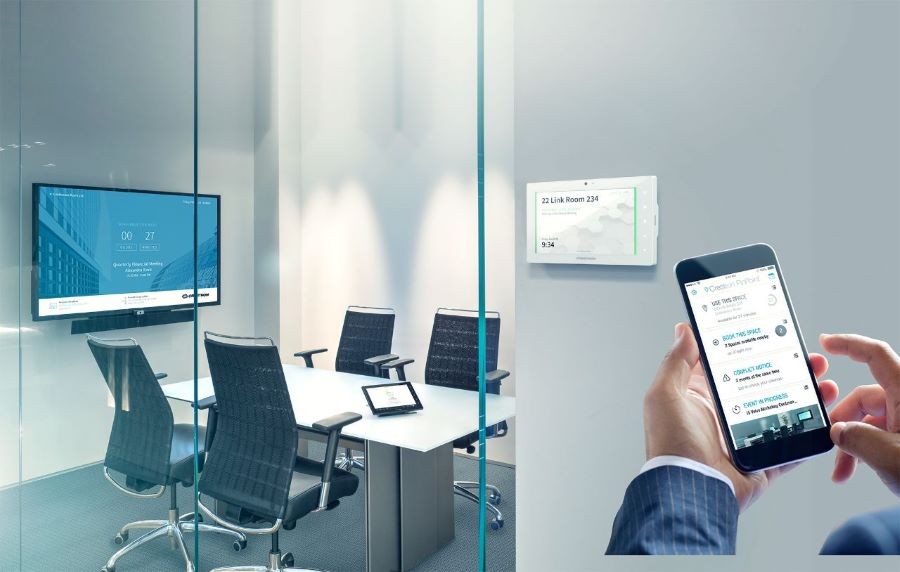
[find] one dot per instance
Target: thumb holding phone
(680, 416)
(867, 421)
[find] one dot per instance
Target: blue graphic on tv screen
(94, 242)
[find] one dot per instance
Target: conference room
(250, 319)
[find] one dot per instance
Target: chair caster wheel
(496, 524)
(108, 569)
(121, 539)
(287, 560)
(495, 498)
(239, 545)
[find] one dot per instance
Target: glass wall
(498, 277)
(10, 497)
(321, 177)
(104, 134)
(377, 212)
(374, 188)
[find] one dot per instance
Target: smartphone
(759, 372)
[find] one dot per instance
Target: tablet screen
(391, 397)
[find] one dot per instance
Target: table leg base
(409, 512)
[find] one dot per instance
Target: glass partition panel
(343, 138)
(10, 462)
(105, 202)
(497, 476)
(355, 230)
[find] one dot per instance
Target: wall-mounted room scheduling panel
(594, 221)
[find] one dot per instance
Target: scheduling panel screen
(755, 356)
(390, 396)
(586, 222)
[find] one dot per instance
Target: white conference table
(409, 458)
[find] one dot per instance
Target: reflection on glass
(106, 108)
(10, 394)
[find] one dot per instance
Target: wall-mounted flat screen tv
(104, 251)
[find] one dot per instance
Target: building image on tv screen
(179, 274)
(66, 247)
(105, 250)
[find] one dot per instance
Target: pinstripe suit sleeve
(673, 510)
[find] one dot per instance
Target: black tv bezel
(35, 293)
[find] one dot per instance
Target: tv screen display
(804, 415)
(104, 251)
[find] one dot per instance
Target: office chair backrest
(251, 459)
(367, 332)
(140, 442)
(453, 351)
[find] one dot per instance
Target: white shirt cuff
(685, 463)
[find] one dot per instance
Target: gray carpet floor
(69, 521)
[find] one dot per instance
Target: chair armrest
(496, 375)
(399, 365)
(332, 425)
(161, 375)
(308, 354)
(492, 380)
(378, 360)
(375, 362)
(336, 422)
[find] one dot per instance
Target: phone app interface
(755, 356)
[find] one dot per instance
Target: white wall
(764, 121)
(266, 275)
(109, 90)
(377, 158)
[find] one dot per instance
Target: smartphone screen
(754, 357)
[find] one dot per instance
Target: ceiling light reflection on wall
(7, 330)
(343, 256)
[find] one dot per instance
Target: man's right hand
(866, 423)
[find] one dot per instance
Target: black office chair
(147, 447)
(365, 344)
(252, 469)
(453, 362)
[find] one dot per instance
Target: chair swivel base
(174, 528)
(277, 563)
(463, 489)
(348, 462)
